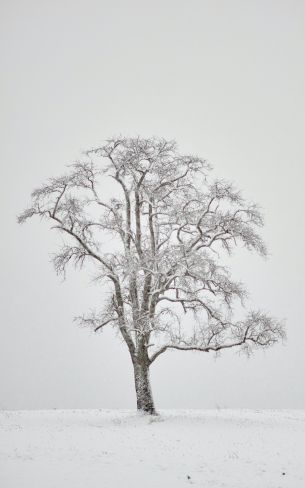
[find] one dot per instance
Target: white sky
(226, 80)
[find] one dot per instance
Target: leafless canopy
(171, 224)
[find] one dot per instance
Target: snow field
(116, 448)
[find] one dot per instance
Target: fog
(226, 81)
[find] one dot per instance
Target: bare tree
(171, 224)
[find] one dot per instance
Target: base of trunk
(145, 402)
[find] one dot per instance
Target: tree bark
(145, 402)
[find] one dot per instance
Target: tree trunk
(145, 402)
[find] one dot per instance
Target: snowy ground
(111, 449)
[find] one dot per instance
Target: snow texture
(109, 449)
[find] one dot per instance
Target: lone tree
(169, 224)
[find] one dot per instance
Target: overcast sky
(226, 80)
